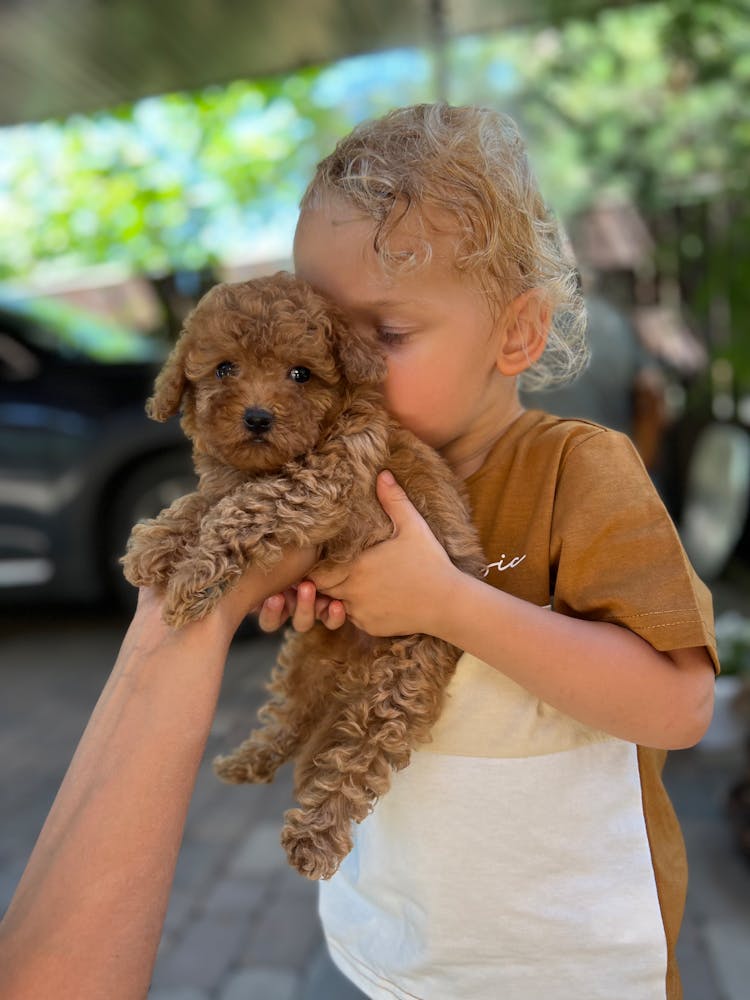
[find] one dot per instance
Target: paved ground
(241, 924)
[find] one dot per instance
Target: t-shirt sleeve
(615, 552)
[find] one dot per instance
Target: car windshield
(59, 328)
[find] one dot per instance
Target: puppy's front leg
(253, 525)
(157, 545)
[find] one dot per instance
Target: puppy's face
(261, 379)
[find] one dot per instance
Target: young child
(530, 849)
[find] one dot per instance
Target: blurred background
(150, 149)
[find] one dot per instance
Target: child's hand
(398, 586)
(304, 606)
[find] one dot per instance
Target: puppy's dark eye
(225, 368)
(299, 374)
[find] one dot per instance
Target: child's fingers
(273, 613)
(394, 500)
(303, 617)
(304, 606)
(331, 612)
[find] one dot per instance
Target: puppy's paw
(253, 766)
(179, 613)
(145, 566)
(315, 852)
(187, 601)
(134, 573)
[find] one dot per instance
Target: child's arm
(600, 674)
(86, 919)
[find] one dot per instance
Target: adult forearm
(87, 916)
(598, 673)
(86, 919)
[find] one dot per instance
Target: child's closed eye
(391, 337)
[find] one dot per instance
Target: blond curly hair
(471, 163)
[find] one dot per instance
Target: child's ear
(526, 324)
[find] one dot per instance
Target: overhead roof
(59, 57)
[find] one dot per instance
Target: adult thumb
(394, 500)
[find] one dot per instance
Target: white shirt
(508, 861)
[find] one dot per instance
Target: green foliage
(175, 182)
(650, 102)
(646, 100)
(733, 639)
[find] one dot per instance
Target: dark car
(79, 460)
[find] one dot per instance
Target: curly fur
(346, 706)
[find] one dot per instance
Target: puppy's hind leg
(304, 674)
(340, 781)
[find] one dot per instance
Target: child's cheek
(403, 404)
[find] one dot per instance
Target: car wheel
(143, 494)
(717, 498)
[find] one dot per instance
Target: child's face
(441, 340)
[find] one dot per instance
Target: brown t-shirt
(568, 516)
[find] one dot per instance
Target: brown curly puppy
(280, 398)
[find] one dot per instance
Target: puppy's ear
(170, 385)
(359, 357)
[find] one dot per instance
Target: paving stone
(260, 853)
(226, 819)
(325, 982)
(276, 798)
(181, 904)
(204, 955)
(223, 722)
(718, 886)
(261, 984)
(696, 971)
(238, 895)
(730, 956)
(197, 865)
(178, 993)
(290, 882)
(286, 934)
(207, 793)
(10, 876)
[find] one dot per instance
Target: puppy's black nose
(258, 421)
